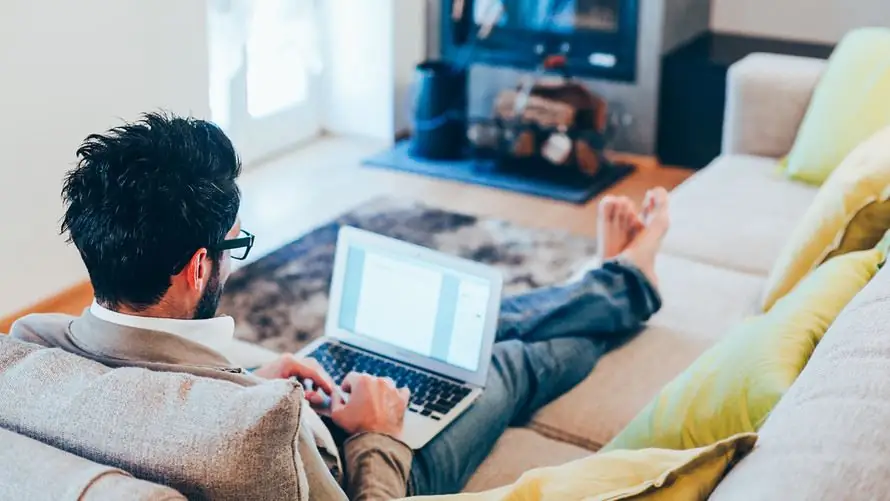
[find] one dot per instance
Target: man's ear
(197, 271)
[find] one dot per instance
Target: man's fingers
(389, 381)
(405, 393)
(350, 379)
(288, 366)
(315, 398)
(337, 406)
(319, 376)
(307, 368)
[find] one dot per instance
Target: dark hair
(143, 198)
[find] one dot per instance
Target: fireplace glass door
(552, 15)
(598, 37)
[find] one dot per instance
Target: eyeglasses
(239, 247)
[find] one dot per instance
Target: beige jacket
(376, 466)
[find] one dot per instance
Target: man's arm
(377, 467)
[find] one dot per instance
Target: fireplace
(597, 37)
(614, 46)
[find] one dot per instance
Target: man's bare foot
(656, 212)
(656, 220)
(618, 225)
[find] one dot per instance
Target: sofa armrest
(767, 96)
(36, 471)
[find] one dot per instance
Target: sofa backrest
(35, 471)
(207, 438)
(767, 96)
(829, 437)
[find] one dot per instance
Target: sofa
(729, 223)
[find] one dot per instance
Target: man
(152, 206)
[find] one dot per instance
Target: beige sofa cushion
(518, 451)
(703, 299)
(736, 213)
(828, 438)
(35, 471)
(701, 302)
(207, 438)
(622, 383)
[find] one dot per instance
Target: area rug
(280, 301)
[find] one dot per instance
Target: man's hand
(287, 366)
(375, 406)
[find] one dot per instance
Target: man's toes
(625, 202)
(623, 207)
(622, 221)
(636, 223)
(608, 207)
(660, 196)
(648, 202)
(633, 221)
(656, 200)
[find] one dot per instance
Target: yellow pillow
(622, 475)
(851, 102)
(733, 386)
(851, 212)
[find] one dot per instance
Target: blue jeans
(548, 341)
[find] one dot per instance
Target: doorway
(265, 72)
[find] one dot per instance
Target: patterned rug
(280, 301)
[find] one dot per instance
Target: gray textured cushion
(35, 471)
(209, 439)
(518, 451)
(737, 213)
(829, 437)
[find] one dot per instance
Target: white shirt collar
(214, 333)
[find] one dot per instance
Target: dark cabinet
(692, 96)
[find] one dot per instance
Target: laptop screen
(416, 306)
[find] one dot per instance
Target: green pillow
(732, 387)
(653, 475)
(850, 104)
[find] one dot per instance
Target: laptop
(423, 318)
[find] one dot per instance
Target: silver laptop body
(424, 318)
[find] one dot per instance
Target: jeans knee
(561, 364)
(509, 363)
(508, 355)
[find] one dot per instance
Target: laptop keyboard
(430, 396)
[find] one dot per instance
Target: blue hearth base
(575, 189)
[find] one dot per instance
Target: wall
(371, 49)
(69, 69)
(433, 20)
(683, 21)
(807, 20)
(359, 73)
(410, 47)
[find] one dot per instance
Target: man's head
(150, 206)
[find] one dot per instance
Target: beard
(209, 301)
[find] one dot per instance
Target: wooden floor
(285, 198)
